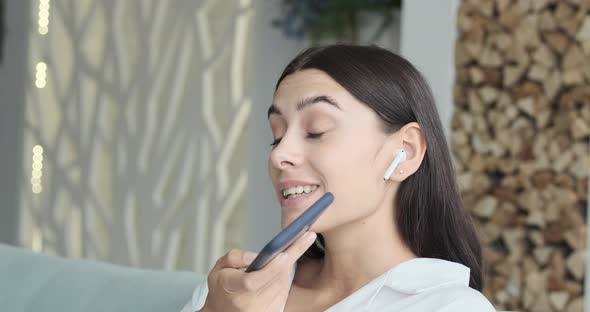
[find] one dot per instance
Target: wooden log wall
(520, 139)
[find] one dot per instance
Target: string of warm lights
(41, 75)
(37, 168)
(43, 17)
(40, 82)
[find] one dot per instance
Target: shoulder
(198, 299)
(463, 298)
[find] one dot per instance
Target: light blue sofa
(40, 283)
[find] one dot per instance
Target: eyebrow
(273, 109)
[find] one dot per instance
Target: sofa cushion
(36, 282)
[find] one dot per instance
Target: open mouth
(296, 191)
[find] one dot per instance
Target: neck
(359, 252)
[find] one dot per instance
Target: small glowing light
(37, 165)
(37, 188)
(36, 174)
(40, 84)
(41, 66)
(37, 157)
(38, 149)
(43, 22)
(43, 14)
(43, 30)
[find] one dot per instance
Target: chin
(315, 227)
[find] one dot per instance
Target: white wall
(13, 71)
(428, 36)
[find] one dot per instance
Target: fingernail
(311, 236)
(250, 256)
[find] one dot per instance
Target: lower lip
(297, 202)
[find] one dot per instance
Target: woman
(341, 115)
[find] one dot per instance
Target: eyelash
(309, 136)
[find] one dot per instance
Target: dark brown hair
(430, 215)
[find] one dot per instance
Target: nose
(287, 154)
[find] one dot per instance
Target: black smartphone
(289, 234)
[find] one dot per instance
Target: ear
(414, 144)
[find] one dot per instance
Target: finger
(235, 259)
(232, 281)
(271, 272)
(282, 263)
(236, 281)
(300, 246)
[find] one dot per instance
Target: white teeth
(295, 190)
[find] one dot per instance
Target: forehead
(305, 83)
(313, 83)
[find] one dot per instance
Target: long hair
(430, 215)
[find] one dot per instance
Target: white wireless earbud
(401, 156)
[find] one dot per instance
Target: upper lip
(291, 183)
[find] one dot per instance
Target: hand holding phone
(293, 231)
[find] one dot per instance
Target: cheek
(352, 176)
(351, 161)
(269, 169)
(269, 166)
(273, 173)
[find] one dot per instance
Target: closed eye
(314, 135)
(309, 136)
(275, 142)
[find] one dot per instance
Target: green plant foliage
(336, 19)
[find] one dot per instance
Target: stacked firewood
(520, 139)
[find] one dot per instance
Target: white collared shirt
(417, 285)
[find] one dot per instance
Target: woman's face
(325, 140)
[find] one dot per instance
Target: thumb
(236, 259)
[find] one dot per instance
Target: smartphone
(293, 231)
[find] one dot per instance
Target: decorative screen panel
(135, 130)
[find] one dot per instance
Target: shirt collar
(422, 274)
